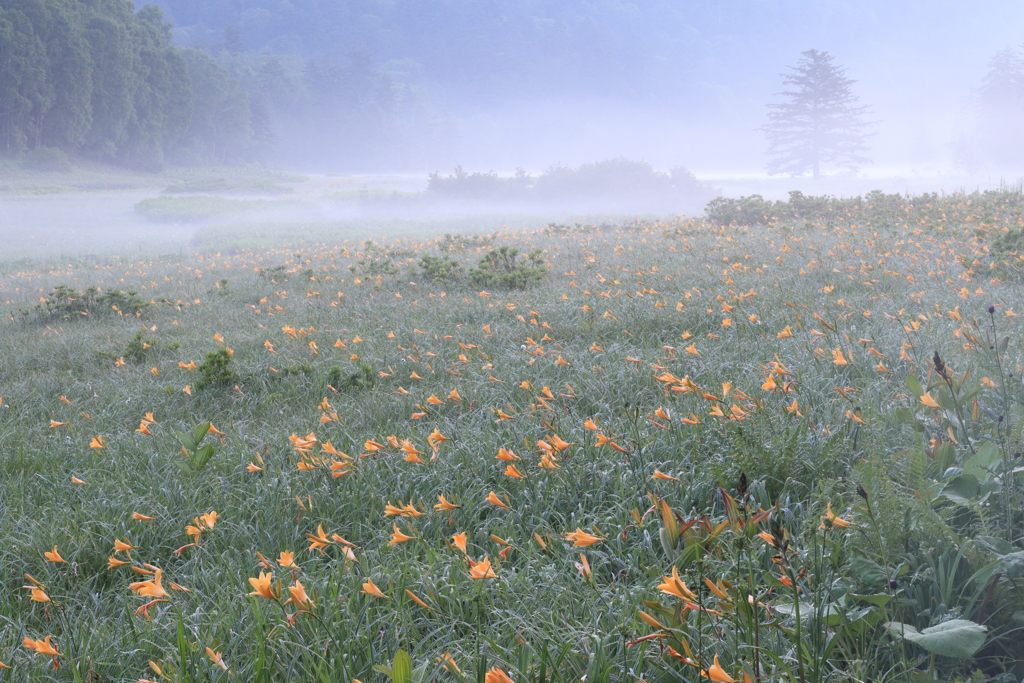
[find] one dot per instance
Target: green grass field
(507, 482)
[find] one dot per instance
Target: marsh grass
(618, 308)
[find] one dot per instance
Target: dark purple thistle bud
(991, 309)
(892, 584)
(999, 419)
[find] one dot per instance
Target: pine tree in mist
(999, 137)
(820, 123)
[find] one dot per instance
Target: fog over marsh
(607, 107)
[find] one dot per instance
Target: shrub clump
(506, 268)
(216, 370)
(1006, 251)
(440, 268)
(363, 378)
(67, 303)
(377, 260)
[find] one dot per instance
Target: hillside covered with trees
(422, 85)
(99, 79)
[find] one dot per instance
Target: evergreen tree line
(321, 113)
(98, 79)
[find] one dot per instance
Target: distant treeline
(97, 79)
(621, 182)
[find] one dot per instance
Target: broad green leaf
(987, 488)
(966, 398)
(185, 467)
(832, 615)
(955, 638)
(982, 461)
(789, 609)
(203, 455)
(200, 432)
(915, 386)
(961, 488)
(880, 599)
(186, 441)
(666, 543)
(869, 572)
(943, 398)
(401, 668)
(1011, 565)
(945, 455)
(997, 545)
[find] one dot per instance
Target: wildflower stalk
(782, 543)
(1003, 432)
(943, 372)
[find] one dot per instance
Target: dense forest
(423, 85)
(98, 79)
(103, 81)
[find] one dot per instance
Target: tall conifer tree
(820, 123)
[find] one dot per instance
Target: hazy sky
(536, 82)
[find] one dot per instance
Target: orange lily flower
(152, 588)
(370, 588)
(54, 556)
(581, 539)
(444, 505)
(482, 570)
(675, 586)
(505, 454)
(496, 675)
(297, 596)
(263, 586)
(319, 540)
(717, 674)
(831, 519)
(43, 647)
(493, 499)
(460, 542)
(217, 658)
(398, 537)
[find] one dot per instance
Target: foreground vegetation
(785, 451)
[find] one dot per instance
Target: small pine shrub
(67, 304)
(138, 348)
(377, 260)
(216, 370)
(1006, 251)
(363, 378)
(506, 268)
(440, 268)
